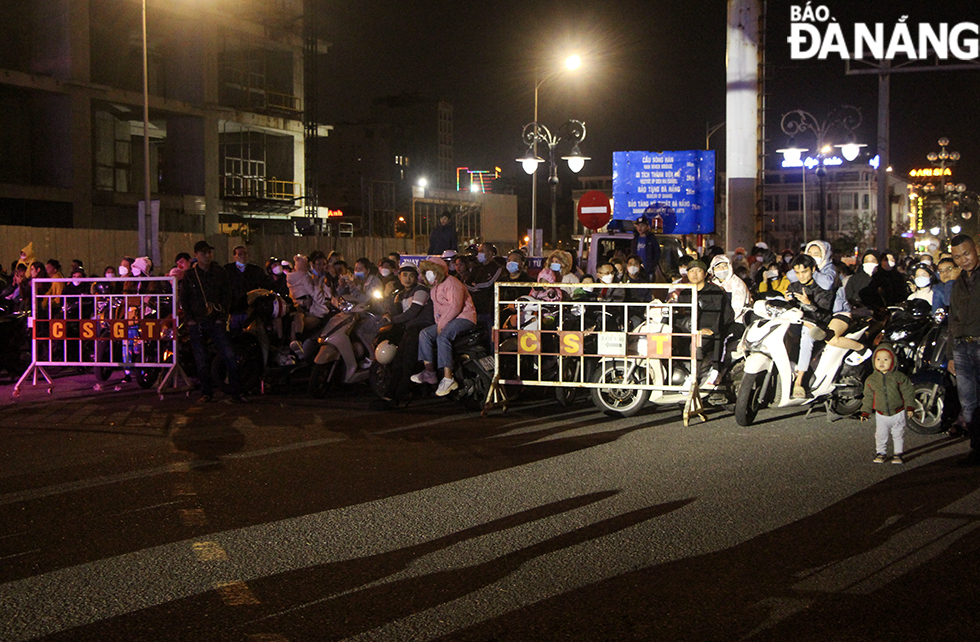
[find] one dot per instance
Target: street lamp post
(572, 63)
(949, 193)
(843, 122)
(149, 243)
(534, 133)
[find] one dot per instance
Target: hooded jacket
(741, 300)
(450, 299)
(887, 393)
(827, 277)
(890, 284)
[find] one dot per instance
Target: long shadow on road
(897, 561)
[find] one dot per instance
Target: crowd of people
(452, 292)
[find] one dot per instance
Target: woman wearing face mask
(770, 281)
(924, 279)
(388, 275)
(887, 282)
(636, 274)
(454, 313)
(276, 277)
(724, 275)
(514, 269)
(861, 278)
(560, 262)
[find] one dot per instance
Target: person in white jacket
(724, 275)
(311, 298)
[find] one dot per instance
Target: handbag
(214, 310)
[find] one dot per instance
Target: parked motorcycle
(346, 348)
(627, 401)
(838, 378)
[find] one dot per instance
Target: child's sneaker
(897, 459)
(880, 458)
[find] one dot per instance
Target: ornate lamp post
(947, 196)
(534, 133)
(839, 125)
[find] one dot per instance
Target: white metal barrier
(112, 323)
(574, 335)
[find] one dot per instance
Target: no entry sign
(593, 209)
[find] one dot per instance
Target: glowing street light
(572, 63)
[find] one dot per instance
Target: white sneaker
(426, 376)
(297, 348)
(446, 386)
(710, 379)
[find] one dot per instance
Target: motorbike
(15, 343)
(937, 404)
(346, 351)
(838, 377)
(626, 402)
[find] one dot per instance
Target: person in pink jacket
(455, 314)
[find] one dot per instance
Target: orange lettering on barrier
(529, 342)
(658, 346)
(119, 329)
(58, 328)
(570, 344)
(87, 329)
(149, 330)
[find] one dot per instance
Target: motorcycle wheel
(846, 406)
(748, 401)
(380, 379)
(567, 395)
(617, 402)
(103, 351)
(321, 379)
(927, 418)
(147, 377)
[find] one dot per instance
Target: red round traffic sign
(593, 209)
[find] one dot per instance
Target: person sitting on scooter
(409, 310)
(312, 301)
(817, 305)
(454, 314)
(714, 316)
(924, 278)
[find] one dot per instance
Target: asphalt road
(124, 517)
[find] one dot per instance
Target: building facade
(226, 113)
(792, 205)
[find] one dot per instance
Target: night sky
(653, 74)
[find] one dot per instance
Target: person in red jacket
(454, 313)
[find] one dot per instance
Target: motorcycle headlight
(897, 335)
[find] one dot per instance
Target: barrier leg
(694, 405)
(495, 395)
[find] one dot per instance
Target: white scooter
(837, 379)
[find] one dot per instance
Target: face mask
(606, 278)
(76, 282)
(136, 271)
(556, 267)
(277, 269)
(385, 272)
(430, 276)
(513, 267)
(922, 281)
(123, 270)
(588, 288)
(313, 271)
(721, 275)
(869, 268)
(787, 258)
(738, 257)
(358, 275)
(241, 266)
(927, 261)
(110, 275)
(772, 274)
(683, 271)
(633, 270)
(890, 262)
(481, 257)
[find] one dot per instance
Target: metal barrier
(561, 335)
(110, 325)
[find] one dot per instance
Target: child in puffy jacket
(890, 395)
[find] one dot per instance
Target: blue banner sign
(677, 187)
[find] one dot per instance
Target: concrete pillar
(81, 159)
(742, 122)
